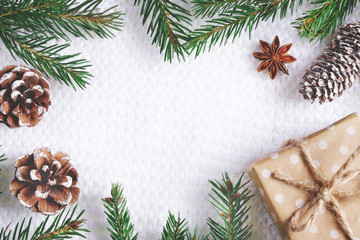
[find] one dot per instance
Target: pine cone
(336, 69)
(45, 183)
(24, 96)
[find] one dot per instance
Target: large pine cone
(336, 69)
(45, 183)
(24, 96)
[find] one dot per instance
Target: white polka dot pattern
(274, 155)
(343, 149)
(279, 198)
(313, 228)
(299, 203)
(334, 234)
(323, 145)
(266, 173)
(335, 168)
(294, 159)
(351, 130)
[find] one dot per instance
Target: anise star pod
(44, 182)
(274, 57)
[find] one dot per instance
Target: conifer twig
(234, 17)
(324, 18)
(230, 201)
(30, 29)
(118, 215)
(167, 26)
(63, 226)
(175, 228)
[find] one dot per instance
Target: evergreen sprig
(175, 228)
(234, 17)
(30, 30)
(196, 235)
(324, 18)
(231, 203)
(167, 26)
(64, 226)
(118, 215)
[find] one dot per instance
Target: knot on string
(321, 192)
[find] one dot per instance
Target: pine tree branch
(196, 236)
(46, 58)
(175, 228)
(27, 26)
(231, 204)
(324, 18)
(59, 17)
(118, 215)
(210, 8)
(234, 18)
(167, 22)
(62, 227)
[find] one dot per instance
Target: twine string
(322, 192)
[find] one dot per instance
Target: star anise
(274, 57)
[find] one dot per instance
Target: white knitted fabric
(163, 130)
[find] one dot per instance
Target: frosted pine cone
(24, 96)
(45, 183)
(336, 69)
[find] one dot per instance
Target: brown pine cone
(336, 69)
(24, 96)
(45, 183)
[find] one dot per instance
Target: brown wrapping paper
(329, 148)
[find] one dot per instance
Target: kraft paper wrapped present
(311, 186)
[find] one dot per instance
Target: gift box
(311, 186)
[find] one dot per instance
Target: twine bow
(322, 192)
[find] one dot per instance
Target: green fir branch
(234, 18)
(175, 228)
(64, 226)
(118, 215)
(46, 58)
(167, 26)
(324, 18)
(210, 8)
(196, 236)
(231, 203)
(28, 26)
(2, 158)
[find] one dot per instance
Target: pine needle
(118, 215)
(231, 203)
(167, 26)
(229, 18)
(175, 228)
(31, 28)
(64, 226)
(324, 18)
